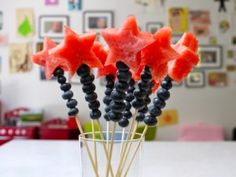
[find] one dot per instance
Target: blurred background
(203, 106)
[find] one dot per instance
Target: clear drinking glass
(125, 158)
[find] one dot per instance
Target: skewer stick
(126, 143)
(122, 146)
(86, 146)
(111, 150)
(108, 134)
(95, 145)
(135, 153)
(106, 148)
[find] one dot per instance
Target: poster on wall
(74, 5)
(20, 57)
(3, 39)
(217, 79)
(178, 19)
(25, 22)
(51, 2)
(224, 23)
(200, 22)
(1, 20)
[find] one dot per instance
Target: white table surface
(162, 159)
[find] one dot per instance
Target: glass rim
(83, 137)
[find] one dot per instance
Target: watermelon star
(77, 50)
(187, 47)
(102, 53)
(49, 62)
(157, 55)
(125, 43)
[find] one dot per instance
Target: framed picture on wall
(52, 26)
(97, 20)
(211, 56)
(153, 27)
(195, 79)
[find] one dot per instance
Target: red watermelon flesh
(188, 40)
(101, 53)
(179, 69)
(77, 50)
(125, 43)
(159, 53)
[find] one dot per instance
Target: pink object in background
(201, 132)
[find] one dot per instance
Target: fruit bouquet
(135, 65)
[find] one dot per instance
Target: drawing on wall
(20, 57)
(234, 40)
(195, 79)
(168, 117)
(97, 20)
(231, 68)
(3, 39)
(213, 40)
(1, 20)
(153, 27)
(25, 22)
(51, 2)
(74, 5)
(222, 6)
(224, 26)
(217, 79)
(200, 22)
(52, 26)
(231, 54)
(178, 19)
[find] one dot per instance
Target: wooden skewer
(86, 146)
(126, 143)
(94, 145)
(122, 147)
(128, 147)
(135, 153)
(111, 150)
(106, 149)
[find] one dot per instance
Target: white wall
(209, 105)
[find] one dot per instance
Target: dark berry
(166, 84)
(138, 104)
(88, 88)
(73, 112)
(140, 117)
(159, 103)
(150, 120)
(122, 66)
(58, 72)
(129, 97)
(110, 77)
(163, 94)
(106, 117)
(107, 109)
(108, 91)
(168, 78)
(128, 106)
(65, 87)
(95, 114)
(91, 97)
(155, 111)
(131, 82)
(87, 79)
(83, 70)
(139, 94)
(144, 110)
(117, 96)
(146, 77)
(107, 100)
(117, 106)
(122, 87)
(147, 100)
(114, 116)
(94, 105)
(61, 79)
(124, 76)
(143, 86)
(127, 114)
(71, 103)
(67, 95)
(124, 122)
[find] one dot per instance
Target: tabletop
(21, 158)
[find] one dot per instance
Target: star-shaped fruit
(49, 62)
(187, 47)
(77, 50)
(157, 55)
(102, 53)
(125, 43)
